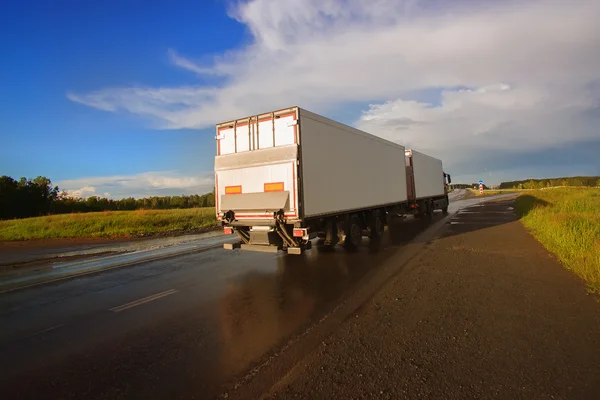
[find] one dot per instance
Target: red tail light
(228, 230)
(300, 232)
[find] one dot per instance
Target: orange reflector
(233, 189)
(274, 187)
(228, 230)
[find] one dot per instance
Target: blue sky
(51, 48)
(120, 97)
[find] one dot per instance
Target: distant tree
(93, 203)
(576, 182)
(27, 198)
(540, 183)
(8, 197)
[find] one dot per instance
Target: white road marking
(482, 223)
(144, 300)
(45, 330)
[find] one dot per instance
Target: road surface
(483, 312)
(172, 327)
(216, 323)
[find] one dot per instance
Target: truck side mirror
(449, 179)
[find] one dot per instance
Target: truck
(285, 177)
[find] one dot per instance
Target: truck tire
(422, 209)
(430, 208)
(375, 225)
(396, 229)
(353, 232)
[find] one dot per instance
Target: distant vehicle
(287, 176)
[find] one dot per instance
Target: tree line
(35, 197)
(552, 182)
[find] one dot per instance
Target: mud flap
(232, 246)
(299, 250)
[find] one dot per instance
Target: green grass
(107, 224)
(567, 222)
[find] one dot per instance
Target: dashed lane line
(144, 300)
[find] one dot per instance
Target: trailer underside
(293, 236)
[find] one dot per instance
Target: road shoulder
(22, 252)
(484, 311)
(77, 263)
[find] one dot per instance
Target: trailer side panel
(345, 169)
(428, 175)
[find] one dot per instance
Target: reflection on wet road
(262, 307)
(180, 327)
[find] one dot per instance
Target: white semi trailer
(287, 176)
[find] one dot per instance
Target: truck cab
(447, 182)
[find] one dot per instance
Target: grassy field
(567, 222)
(107, 224)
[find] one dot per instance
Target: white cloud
(533, 70)
(167, 105)
(84, 192)
(184, 63)
(165, 183)
(498, 117)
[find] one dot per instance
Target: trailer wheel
(353, 232)
(396, 230)
(375, 225)
(429, 208)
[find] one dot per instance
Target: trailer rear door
(256, 166)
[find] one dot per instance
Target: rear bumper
(259, 248)
(249, 202)
(265, 248)
(257, 222)
(250, 222)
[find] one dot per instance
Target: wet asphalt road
(185, 327)
(483, 311)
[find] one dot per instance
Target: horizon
(77, 195)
